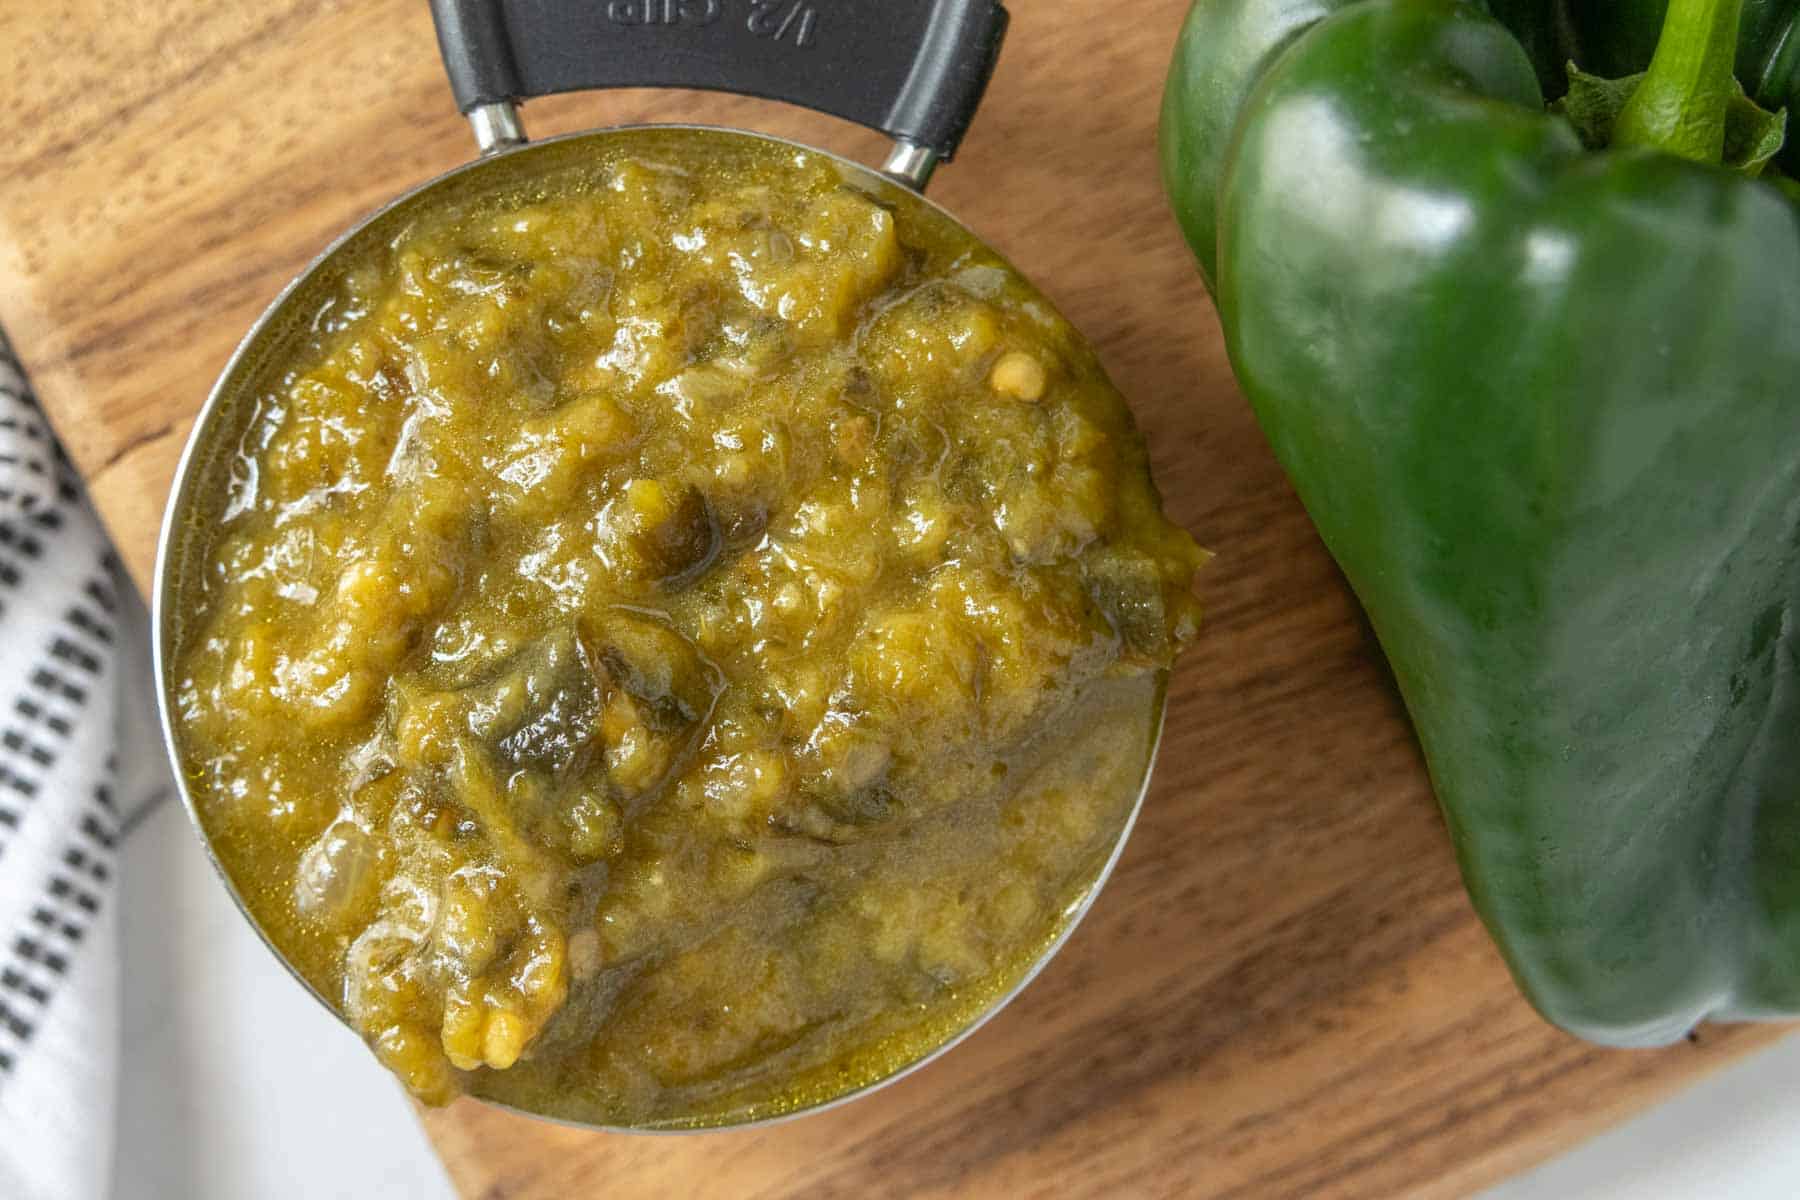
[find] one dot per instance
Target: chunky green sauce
(674, 644)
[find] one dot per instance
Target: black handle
(914, 69)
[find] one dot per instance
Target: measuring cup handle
(913, 69)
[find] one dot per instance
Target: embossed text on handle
(664, 12)
(794, 20)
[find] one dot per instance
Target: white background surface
(201, 1118)
(232, 1086)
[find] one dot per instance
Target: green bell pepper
(1543, 403)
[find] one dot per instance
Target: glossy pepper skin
(1543, 405)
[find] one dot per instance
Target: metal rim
(180, 500)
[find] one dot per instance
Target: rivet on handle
(910, 164)
(496, 126)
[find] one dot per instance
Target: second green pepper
(1543, 404)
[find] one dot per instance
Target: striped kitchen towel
(77, 762)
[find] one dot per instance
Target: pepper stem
(1681, 105)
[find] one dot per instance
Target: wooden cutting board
(1283, 992)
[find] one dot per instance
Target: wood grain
(1283, 993)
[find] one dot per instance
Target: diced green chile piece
(539, 709)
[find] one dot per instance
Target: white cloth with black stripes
(77, 763)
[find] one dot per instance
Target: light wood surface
(1283, 992)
